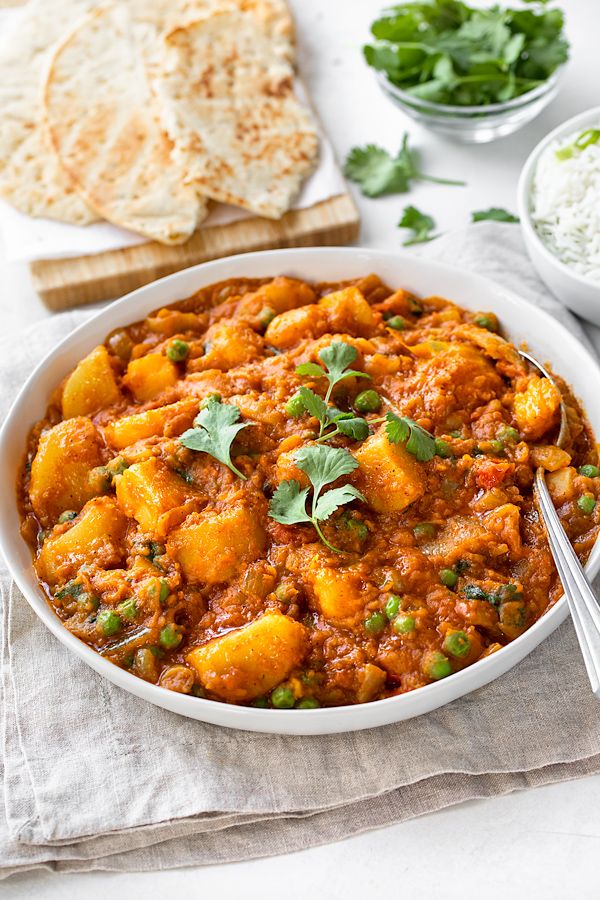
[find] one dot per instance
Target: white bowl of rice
(559, 206)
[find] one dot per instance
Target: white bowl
(579, 293)
(545, 336)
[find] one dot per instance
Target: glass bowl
(475, 124)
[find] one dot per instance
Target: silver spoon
(583, 603)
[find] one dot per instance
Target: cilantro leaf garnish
(418, 441)
(493, 214)
(337, 357)
(378, 173)
(447, 51)
(215, 429)
(323, 465)
(419, 223)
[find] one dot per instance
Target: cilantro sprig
(378, 173)
(215, 429)
(419, 223)
(493, 214)
(447, 51)
(337, 357)
(323, 465)
(418, 441)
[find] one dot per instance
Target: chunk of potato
(392, 477)
(279, 295)
(536, 408)
(561, 485)
(348, 312)
(148, 376)
(295, 325)
(212, 547)
(60, 472)
(250, 661)
(338, 593)
(91, 386)
(230, 344)
(96, 536)
(174, 418)
(550, 458)
(147, 491)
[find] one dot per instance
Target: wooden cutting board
(65, 283)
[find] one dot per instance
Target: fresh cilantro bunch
(378, 173)
(323, 465)
(215, 429)
(449, 52)
(337, 357)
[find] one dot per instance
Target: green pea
(367, 401)
(66, 516)
(449, 578)
(308, 703)
(435, 665)
(266, 316)
(260, 703)
(170, 637)
(295, 406)
(496, 446)
(208, 399)
(588, 471)
(442, 448)
(375, 623)
(165, 590)
(108, 622)
(178, 350)
(392, 606)
(398, 323)
(457, 644)
(490, 322)
(88, 602)
(128, 608)
(117, 466)
(424, 531)
(283, 697)
(586, 504)
(404, 624)
(509, 435)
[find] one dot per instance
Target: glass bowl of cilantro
(474, 74)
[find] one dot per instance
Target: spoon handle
(583, 603)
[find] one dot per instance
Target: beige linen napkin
(96, 779)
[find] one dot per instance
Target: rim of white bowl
(274, 721)
(524, 192)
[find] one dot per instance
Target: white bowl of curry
(291, 491)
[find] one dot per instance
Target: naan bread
(103, 123)
(229, 107)
(30, 176)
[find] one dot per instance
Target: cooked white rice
(565, 205)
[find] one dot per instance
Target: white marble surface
(538, 844)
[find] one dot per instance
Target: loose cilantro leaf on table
(215, 429)
(447, 51)
(418, 441)
(493, 214)
(323, 465)
(378, 173)
(337, 357)
(419, 223)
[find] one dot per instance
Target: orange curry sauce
(168, 563)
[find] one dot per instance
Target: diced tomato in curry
(168, 563)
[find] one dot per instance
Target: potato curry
(297, 495)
